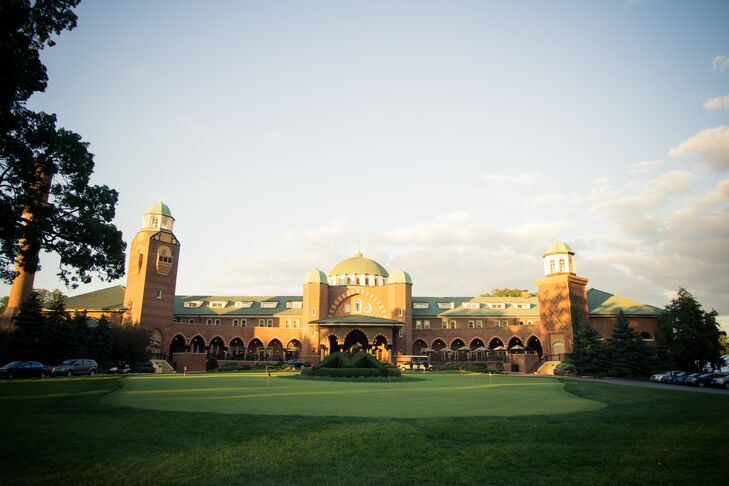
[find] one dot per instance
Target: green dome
(160, 208)
(315, 276)
(400, 277)
(558, 247)
(358, 265)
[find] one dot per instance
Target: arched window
(561, 264)
(164, 260)
(646, 336)
(358, 306)
(368, 308)
(551, 266)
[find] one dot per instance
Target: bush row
(471, 367)
(350, 372)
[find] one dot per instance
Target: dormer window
(471, 305)
(446, 305)
(421, 305)
(494, 305)
(269, 304)
(294, 304)
(193, 304)
(243, 304)
(218, 304)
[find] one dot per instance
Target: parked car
(120, 369)
(672, 376)
(73, 367)
(24, 369)
(658, 377)
(721, 381)
(298, 364)
(683, 379)
(143, 367)
(702, 380)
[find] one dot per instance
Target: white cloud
(710, 145)
(720, 63)
(644, 166)
(522, 178)
(717, 103)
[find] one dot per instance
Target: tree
(628, 354)
(29, 336)
(46, 200)
(690, 337)
(507, 292)
(589, 354)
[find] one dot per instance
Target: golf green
(432, 395)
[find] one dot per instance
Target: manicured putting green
(435, 395)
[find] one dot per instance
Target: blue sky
(452, 139)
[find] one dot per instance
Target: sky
(452, 139)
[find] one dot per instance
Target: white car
(721, 381)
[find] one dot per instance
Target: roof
(433, 309)
(604, 303)
(400, 276)
(358, 265)
(110, 298)
(315, 276)
(359, 320)
(160, 208)
(558, 247)
(230, 308)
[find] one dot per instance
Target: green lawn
(73, 431)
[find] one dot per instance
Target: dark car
(704, 379)
(683, 379)
(672, 376)
(24, 369)
(298, 364)
(73, 367)
(721, 380)
(143, 367)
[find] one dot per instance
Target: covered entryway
(356, 341)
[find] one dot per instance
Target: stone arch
(351, 293)
(275, 349)
(418, 346)
(457, 343)
(216, 348)
(495, 342)
(178, 344)
(534, 345)
(356, 337)
(476, 343)
(236, 348)
(197, 344)
(293, 349)
(438, 344)
(380, 348)
(254, 347)
(514, 341)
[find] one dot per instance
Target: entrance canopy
(358, 320)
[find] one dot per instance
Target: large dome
(358, 265)
(558, 247)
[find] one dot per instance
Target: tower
(152, 275)
(400, 303)
(316, 301)
(562, 299)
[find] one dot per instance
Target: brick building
(357, 302)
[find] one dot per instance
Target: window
(294, 304)
(217, 304)
(261, 323)
(400, 312)
(358, 306)
(159, 294)
(243, 323)
(561, 264)
(216, 322)
(497, 306)
(313, 311)
(445, 305)
(191, 321)
(470, 324)
(551, 266)
(269, 323)
(288, 324)
(418, 324)
(193, 303)
(347, 308)
(479, 324)
(453, 324)
(444, 324)
(399, 332)
(296, 324)
(270, 304)
(521, 323)
(471, 305)
(426, 324)
(240, 304)
(529, 323)
(421, 305)
(235, 322)
(368, 308)
(209, 322)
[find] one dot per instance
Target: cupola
(559, 258)
(159, 217)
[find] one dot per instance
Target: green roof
(433, 309)
(230, 309)
(110, 298)
(604, 303)
(358, 320)
(558, 247)
(358, 265)
(160, 208)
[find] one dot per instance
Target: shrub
(392, 370)
(565, 369)
(234, 367)
(348, 372)
(211, 364)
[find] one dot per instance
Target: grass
(73, 431)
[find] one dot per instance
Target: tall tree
(46, 200)
(28, 339)
(628, 354)
(689, 335)
(589, 354)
